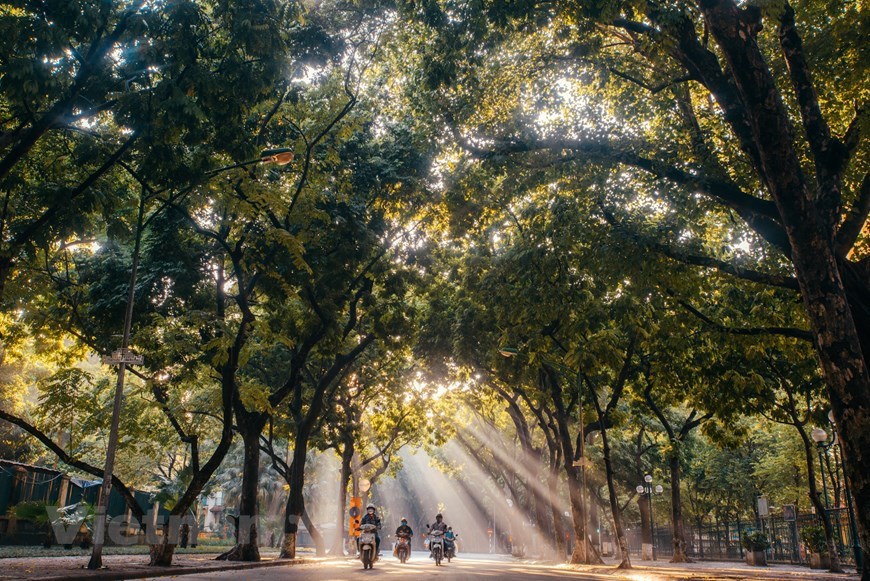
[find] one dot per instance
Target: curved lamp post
(647, 489)
(820, 437)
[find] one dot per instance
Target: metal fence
(25, 483)
(720, 541)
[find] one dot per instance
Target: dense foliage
(588, 241)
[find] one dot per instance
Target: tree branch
(816, 127)
(137, 510)
(784, 331)
(851, 227)
(679, 255)
(761, 215)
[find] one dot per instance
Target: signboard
(762, 506)
(354, 512)
(126, 356)
(788, 512)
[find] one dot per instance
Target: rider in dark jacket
(371, 518)
(438, 525)
(404, 529)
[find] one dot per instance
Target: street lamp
(820, 437)
(279, 156)
(647, 489)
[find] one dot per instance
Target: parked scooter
(368, 552)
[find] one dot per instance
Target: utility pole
(121, 357)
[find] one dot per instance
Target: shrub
(815, 540)
(755, 541)
(32, 510)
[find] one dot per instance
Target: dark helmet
(438, 515)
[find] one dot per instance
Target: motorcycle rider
(450, 539)
(439, 525)
(371, 518)
(404, 529)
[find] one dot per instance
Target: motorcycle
(450, 547)
(403, 547)
(368, 545)
(436, 545)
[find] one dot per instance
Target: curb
(175, 571)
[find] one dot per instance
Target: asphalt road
(465, 566)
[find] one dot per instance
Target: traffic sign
(354, 512)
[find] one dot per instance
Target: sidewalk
(128, 567)
(664, 571)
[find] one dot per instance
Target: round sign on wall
(354, 511)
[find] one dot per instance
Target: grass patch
(30, 551)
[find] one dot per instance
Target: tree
(371, 416)
(801, 194)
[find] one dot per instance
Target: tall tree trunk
(646, 532)
(295, 499)
(319, 545)
(846, 377)
(558, 528)
(160, 555)
(680, 555)
(614, 499)
(594, 520)
(809, 215)
(583, 551)
(344, 478)
(250, 426)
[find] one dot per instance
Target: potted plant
(756, 544)
(79, 516)
(817, 546)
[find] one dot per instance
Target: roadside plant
(755, 541)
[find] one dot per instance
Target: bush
(756, 541)
(31, 510)
(36, 512)
(815, 540)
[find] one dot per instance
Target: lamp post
(820, 437)
(647, 489)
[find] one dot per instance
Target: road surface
(465, 566)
